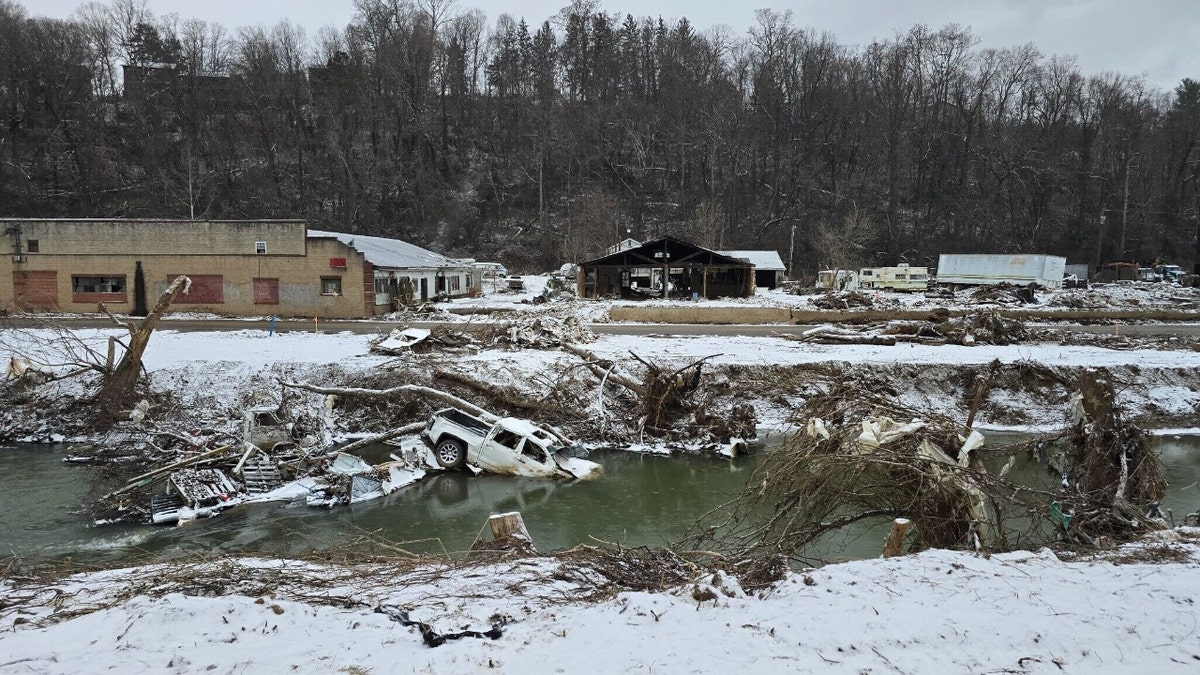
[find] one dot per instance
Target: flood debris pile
(535, 331)
(539, 332)
(401, 341)
(843, 300)
(1112, 481)
(682, 406)
(273, 461)
(988, 327)
(1005, 294)
(865, 459)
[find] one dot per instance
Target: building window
(98, 289)
(97, 284)
(260, 247)
(331, 285)
(455, 283)
(31, 245)
(266, 291)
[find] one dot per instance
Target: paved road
(381, 327)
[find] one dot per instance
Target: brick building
(249, 268)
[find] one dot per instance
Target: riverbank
(1128, 609)
(204, 379)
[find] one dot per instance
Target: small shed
(768, 266)
(666, 267)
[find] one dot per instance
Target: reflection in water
(639, 501)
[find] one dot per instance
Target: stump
(895, 538)
(508, 534)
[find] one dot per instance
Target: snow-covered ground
(934, 612)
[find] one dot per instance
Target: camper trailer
(902, 277)
(837, 280)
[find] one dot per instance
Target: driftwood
(385, 436)
(412, 389)
(895, 538)
(602, 369)
(507, 395)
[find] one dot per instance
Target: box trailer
(902, 277)
(981, 269)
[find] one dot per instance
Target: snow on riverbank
(935, 612)
(255, 349)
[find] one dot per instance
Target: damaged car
(506, 445)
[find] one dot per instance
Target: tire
(450, 453)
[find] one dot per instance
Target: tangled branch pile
(1116, 479)
(856, 464)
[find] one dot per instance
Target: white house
(405, 270)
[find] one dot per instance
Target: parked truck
(981, 269)
(507, 445)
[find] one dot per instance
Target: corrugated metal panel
(391, 253)
(763, 260)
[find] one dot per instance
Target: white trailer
(837, 280)
(981, 269)
(902, 277)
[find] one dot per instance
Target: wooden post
(895, 538)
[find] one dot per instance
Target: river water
(641, 500)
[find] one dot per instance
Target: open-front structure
(666, 267)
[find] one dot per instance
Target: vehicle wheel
(450, 453)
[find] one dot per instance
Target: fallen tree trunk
(385, 436)
(416, 389)
(120, 384)
(506, 394)
(599, 367)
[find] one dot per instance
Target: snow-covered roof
(390, 253)
(763, 260)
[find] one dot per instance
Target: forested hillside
(540, 140)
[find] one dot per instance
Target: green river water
(641, 500)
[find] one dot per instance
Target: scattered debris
(975, 328)
(400, 340)
(1005, 294)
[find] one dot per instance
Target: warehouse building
(246, 268)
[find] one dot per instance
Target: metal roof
(763, 260)
(390, 253)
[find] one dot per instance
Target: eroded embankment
(1021, 394)
(215, 396)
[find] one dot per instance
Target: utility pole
(792, 254)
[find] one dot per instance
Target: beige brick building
(248, 268)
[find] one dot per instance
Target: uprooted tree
(55, 352)
(864, 458)
(120, 382)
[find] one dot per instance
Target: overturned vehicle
(255, 470)
(506, 445)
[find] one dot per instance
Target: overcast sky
(1156, 38)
